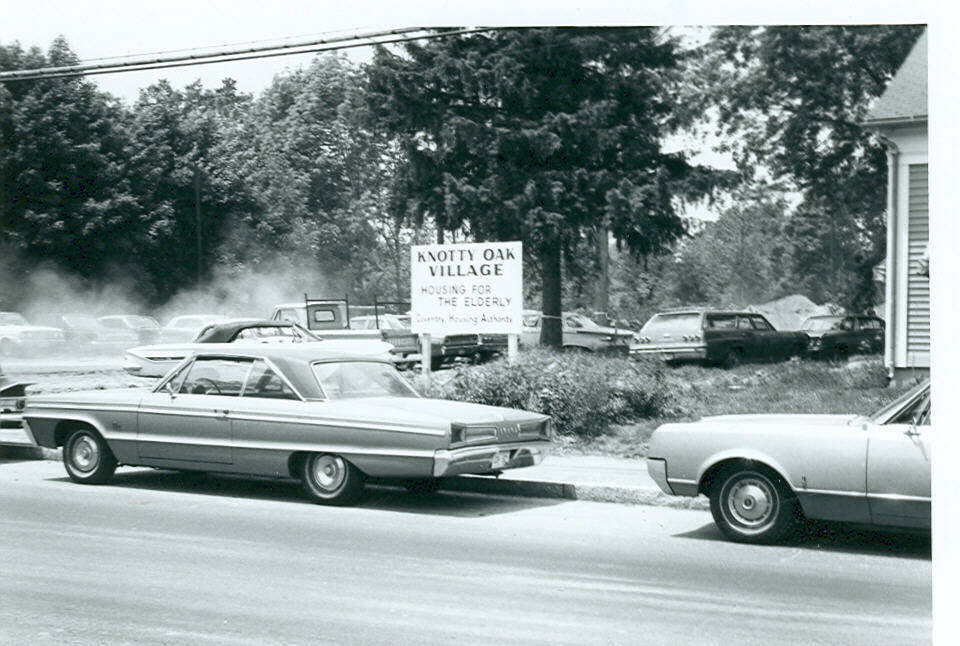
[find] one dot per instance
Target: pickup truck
(331, 318)
(715, 337)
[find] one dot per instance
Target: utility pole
(196, 206)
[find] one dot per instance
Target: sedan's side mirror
(168, 388)
(912, 430)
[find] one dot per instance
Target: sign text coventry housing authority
(463, 288)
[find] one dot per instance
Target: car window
(266, 332)
(761, 323)
(673, 323)
(572, 322)
(12, 318)
(722, 321)
(846, 324)
(112, 323)
(265, 383)
(744, 323)
(358, 379)
(871, 324)
(216, 377)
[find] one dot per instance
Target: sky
(106, 28)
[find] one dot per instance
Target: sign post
(467, 288)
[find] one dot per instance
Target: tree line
(552, 136)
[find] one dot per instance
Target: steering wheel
(212, 383)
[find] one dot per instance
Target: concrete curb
(568, 491)
(508, 487)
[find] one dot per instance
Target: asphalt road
(167, 558)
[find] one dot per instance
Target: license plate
(500, 460)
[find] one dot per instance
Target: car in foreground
(579, 333)
(715, 337)
(18, 336)
(158, 359)
(839, 336)
(330, 419)
(763, 473)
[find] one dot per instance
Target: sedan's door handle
(222, 412)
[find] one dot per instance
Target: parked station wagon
(843, 335)
(710, 336)
(329, 419)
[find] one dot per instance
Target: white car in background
(157, 360)
(18, 335)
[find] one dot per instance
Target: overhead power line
(229, 55)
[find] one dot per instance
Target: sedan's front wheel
(331, 480)
(87, 458)
(752, 505)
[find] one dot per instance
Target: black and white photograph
(530, 323)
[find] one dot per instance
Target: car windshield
(891, 410)
(579, 320)
(358, 379)
(142, 321)
(821, 323)
(681, 322)
(12, 318)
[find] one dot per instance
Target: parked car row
(729, 337)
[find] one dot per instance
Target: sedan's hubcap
(329, 472)
(752, 502)
(85, 454)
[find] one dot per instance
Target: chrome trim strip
(898, 496)
(334, 423)
(130, 408)
(682, 481)
(263, 445)
(278, 418)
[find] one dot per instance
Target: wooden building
(900, 117)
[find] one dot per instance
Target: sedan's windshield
(358, 379)
(12, 318)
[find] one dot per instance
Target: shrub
(584, 393)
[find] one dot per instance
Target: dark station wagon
(715, 337)
(837, 336)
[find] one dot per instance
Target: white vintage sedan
(763, 473)
(327, 418)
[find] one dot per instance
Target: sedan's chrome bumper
(679, 353)
(657, 468)
(481, 459)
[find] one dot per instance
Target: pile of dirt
(789, 312)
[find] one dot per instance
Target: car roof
(294, 360)
(223, 332)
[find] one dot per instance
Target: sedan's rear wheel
(331, 480)
(87, 458)
(752, 505)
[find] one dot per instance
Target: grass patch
(609, 406)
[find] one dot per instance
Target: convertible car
(157, 360)
(763, 473)
(328, 418)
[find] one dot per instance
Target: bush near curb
(584, 393)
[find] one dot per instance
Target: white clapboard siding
(918, 290)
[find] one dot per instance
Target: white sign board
(463, 288)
